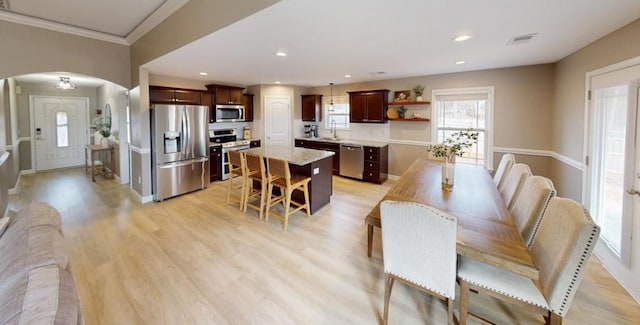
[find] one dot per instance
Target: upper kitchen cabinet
(168, 95)
(369, 106)
(227, 94)
(248, 107)
(312, 108)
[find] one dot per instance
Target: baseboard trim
(622, 284)
(140, 198)
(16, 189)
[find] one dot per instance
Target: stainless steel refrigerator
(180, 149)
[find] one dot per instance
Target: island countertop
(294, 155)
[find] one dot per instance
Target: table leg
(93, 167)
(369, 239)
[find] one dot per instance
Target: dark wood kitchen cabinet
(312, 108)
(248, 107)
(215, 163)
(376, 164)
(168, 95)
(369, 106)
(326, 146)
(224, 95)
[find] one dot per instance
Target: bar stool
(237, 170)
(255, 171)
(280, 176)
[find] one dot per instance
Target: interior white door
(613, 169)
(59, 131)
(277, 120)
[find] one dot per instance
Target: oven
(228, 138)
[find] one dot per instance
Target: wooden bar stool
(255, 171)
(237, 171)
(280, 176)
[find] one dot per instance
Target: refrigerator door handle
(183, 163)
(185, 135)
(190, 153)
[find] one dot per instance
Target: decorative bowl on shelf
(392, 112)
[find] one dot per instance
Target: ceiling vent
(521, 39)
(4, 5)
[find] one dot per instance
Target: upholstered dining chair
(280, 176)
(256, 170)
(419, 249)
(561, 249)
(237, 178)
(528, 208)
(504, 166)
(513, 183)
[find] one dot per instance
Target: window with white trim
(456, 110)
(62, 129)
(338, 112)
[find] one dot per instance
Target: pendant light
(331, 98)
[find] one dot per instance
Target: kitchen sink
(332, 139)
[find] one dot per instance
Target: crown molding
(153, 20)
(57, 27)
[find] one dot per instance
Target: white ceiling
(327, 39)
(54, 77)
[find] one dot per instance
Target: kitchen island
(316, 164)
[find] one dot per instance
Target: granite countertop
(366, 143)
(296, 156)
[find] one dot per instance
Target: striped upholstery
(561, 249)
(36, 284)
(529, 206)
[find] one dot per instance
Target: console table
(104, 155)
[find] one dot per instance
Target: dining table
(486, 230)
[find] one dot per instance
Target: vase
(419, 98)
(448, 173)
(401, 114)
(105, 142)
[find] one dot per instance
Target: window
(62, 129)
(456, 110)
(338, 112)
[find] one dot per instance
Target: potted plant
(453, 146)
(419, 89)
(401, 111)
(103, 127)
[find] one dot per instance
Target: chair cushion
(500, 281)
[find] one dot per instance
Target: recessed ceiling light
(461, 62)
(461, 38)
(280, 53)
(277, 82)
(203, 73)
(347, 76)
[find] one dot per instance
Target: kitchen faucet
(333, 128)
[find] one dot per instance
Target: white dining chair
(504, 166)
(419, 249)
(513, 183)
(528, 208)
(561, 250)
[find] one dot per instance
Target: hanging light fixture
(331, 98)
(65, 83)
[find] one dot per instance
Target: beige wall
(523, 105)
(28, 49)
(194, 20)
(569, 101)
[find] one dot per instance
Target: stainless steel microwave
(229, 113)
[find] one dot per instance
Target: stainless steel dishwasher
(351, 160)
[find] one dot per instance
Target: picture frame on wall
(401, 95)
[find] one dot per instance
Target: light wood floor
(195, 260)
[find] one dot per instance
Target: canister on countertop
(246, 133)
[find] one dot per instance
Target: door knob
(633, 191)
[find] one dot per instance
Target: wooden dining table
(486, 230)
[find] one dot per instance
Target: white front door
(59, 126)
(613, 169)
(277, 112)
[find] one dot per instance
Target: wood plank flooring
(195, 260)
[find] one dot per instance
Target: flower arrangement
(454, 145)
(102, 125)
(419, 89)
